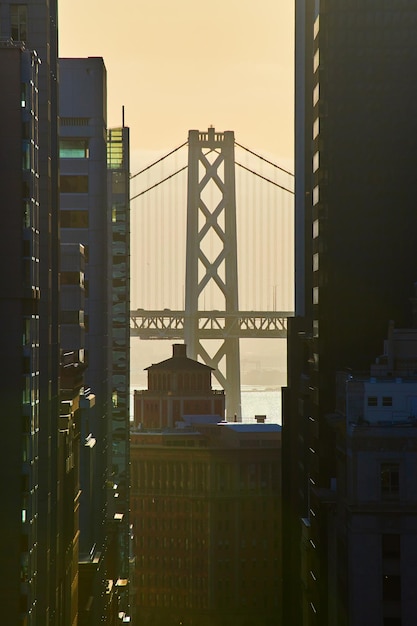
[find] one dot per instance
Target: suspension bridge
(196, 219)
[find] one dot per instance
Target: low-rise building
(176, 387)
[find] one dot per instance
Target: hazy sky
(184, 64)
(187, 64)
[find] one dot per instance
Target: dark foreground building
(29, 373)
(356, 258)
(374, 521)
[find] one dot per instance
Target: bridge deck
(168, 324)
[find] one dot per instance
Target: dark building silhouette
(29, 377)
(373, 524)
(205, 502)
(355, 254)
(53, 419)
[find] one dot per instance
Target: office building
(20, 334)
(205, 502)
(83, 187)
(355, 251)
(94, 164)
(30, 309)
(375, 516)
(119, 428)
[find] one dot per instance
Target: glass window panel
(390, 480)
(316, 127)
(18, 22)
(73, 149)
(77, 183)
(391, 588)
(118, 182)
(316, 161)
(391, 546)
(74, 219)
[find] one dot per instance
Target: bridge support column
(211, 256)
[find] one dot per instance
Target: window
(386, 401)
(372, 401)
(391, 588)
(316, 26)
(118, 182)
(73, 149)
(316, 195)
(18, 22)
(390, 480)
(316, 94)
(72, 278)
(74, 184)
(316, 60)
(24, 93)
(316, 161)
(74, 219)
(72, 317)
(391, 546)
(316, 127)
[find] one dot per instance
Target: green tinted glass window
(73, 149)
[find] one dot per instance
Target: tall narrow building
(20, 329)
(356, 258)
(94, 179)
(29, 375)
(118, 186)
(84, 220)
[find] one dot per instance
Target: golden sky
(187, 64)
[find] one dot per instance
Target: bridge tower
(211, 255)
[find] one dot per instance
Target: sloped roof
(182, 363)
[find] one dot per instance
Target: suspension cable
(268, 180)
(158, 161)
(263, 159)
(159, 183)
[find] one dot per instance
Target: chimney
(179, 350)
(260, 419)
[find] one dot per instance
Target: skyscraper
(20, 322)
(355, 253)
(118, 186)
(30, 308)
(95, 213)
